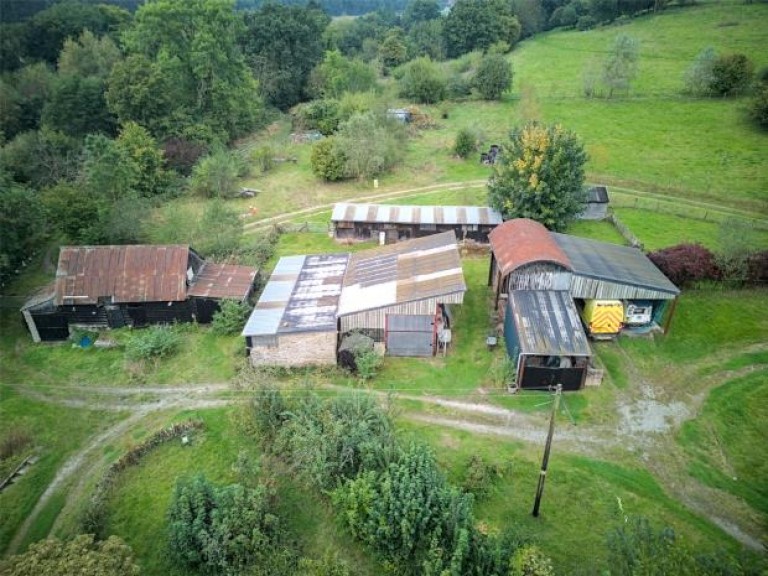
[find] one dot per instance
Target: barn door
(410, 335)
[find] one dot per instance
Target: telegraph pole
(545, 460)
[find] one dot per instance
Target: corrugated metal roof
(223, 281)
(301, 295)
(597, 195)
(131, 273)
(614, 263)
(522, 241)
(386, 213)
(547, 323)
(403, 272)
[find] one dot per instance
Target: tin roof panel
(547, 323)
(395, 214)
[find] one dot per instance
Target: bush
(466, 143)
(368, 363)
(263, 158)
(758, 108)
(321, 115)
(731, 74)
(152, 342)
(217, 530)
(327, 160)
(686, 264)
(14, 442)
(230, 317)
(493, 76)
(422, 81)
(585, 22)
(480, 476)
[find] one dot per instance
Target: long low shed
(391, 223)
(132, 285)
(545, 340)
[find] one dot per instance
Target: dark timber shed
(132, 285)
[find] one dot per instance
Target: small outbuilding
(132, 285)
(545, 340)
(596, 204)
(294, 321)
(388, 224)
(399, 295)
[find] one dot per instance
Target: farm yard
(674, 433)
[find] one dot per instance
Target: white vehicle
(638, 312)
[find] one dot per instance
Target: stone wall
(301, 349)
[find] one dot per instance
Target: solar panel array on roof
(612, 262)
(446, 215)
(547, 323)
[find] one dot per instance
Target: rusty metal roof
(302, 295)
(446, 215)
(404, 272)
(132, 273)
(522, 241)
(223, 281)
(547, 323)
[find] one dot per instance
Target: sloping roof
(132, 273)
(547, 323)
(404, 272)
(302, 295)
(597, 195)
(612, 262)
(522, 241)
(385, 213)
(223, 281)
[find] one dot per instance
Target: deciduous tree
(493, 76)
(620, 67)
(540, 175)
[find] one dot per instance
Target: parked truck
(603, 319)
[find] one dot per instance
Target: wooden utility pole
(545, 460)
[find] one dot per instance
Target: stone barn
(294, 321)
(100, 287)
(388, 224)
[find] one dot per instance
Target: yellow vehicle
(603, 319)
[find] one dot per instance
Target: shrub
(699, 76)
(368, 363)
(230, 317)
(585, 22)
(422, 81)
(480, 476)
(152, 342)
(220, 529)
(327, 160)
(466, 143)
(758, 108)
(263, 158)
(493, 76)
(458, 86)
(731, 74)
(686, 264)
(322, 115)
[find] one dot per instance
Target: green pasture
(724, 440)
(56, 433)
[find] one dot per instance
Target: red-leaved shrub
(686, 264)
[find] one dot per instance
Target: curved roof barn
(521, 241)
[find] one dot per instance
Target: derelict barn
(134, 285)
(400, 295)
(596, 204)
(294, 321)
(389, 224)
(525, 255)
(545, 340)
(540, 279)
(397, 295)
